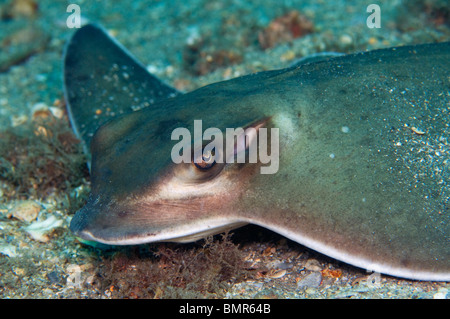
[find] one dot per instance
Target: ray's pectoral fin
(103, 80)
(161, 200)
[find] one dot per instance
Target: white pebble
(8, 250)
(41, 229)
(346, 39)
(441, 294)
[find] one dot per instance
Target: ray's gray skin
(364, 155)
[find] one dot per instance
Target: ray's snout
(81, 221)
(105, 222)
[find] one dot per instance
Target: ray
(361, 149)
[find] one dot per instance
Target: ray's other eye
(205, 160)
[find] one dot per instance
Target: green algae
(40, 159)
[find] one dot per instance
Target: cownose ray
(364, 149)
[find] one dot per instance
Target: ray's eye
(206, 160)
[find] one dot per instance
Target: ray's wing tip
(76, 36)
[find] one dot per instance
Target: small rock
(18, 271)
(441, 294)
(40, 110)
(310, 281)
(26, 210)
(54, 277)
(311, 291)
(8, 250)
(313, 265)
(17, 120)
(346, 39)
(21, 8)
(277, 274)
(57, 112)
(279, 264)
(267, 294)
(283, 265)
